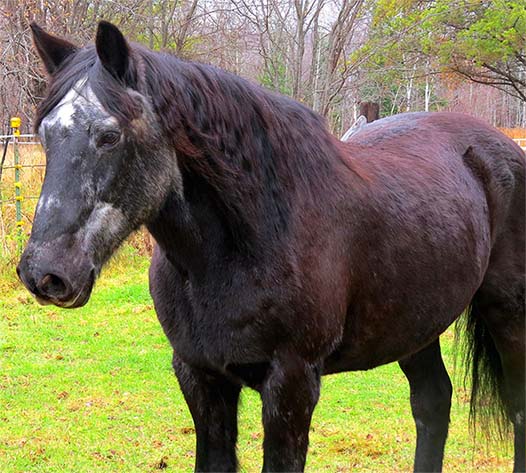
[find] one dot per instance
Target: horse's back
(434, 142)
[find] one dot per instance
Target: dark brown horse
(283, 254)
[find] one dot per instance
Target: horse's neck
(255, 169)
(191, 231)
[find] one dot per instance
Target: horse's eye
(108, 139)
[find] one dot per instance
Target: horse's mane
(255, 148)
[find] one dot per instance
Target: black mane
(248, 143)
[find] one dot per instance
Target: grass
(92, 390)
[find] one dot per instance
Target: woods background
(407, 55)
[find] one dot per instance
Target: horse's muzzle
(56, 277)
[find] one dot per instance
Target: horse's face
(101, 183)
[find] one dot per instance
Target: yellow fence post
(15, 127)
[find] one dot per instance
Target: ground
(92, 390)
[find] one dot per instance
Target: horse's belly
(364, 348)
(376, 335)
(409, 301)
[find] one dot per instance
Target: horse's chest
(239, 318)
(213, 328)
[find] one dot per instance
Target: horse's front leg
(289, 394)
(213, 404)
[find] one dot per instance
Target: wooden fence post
(370, 110)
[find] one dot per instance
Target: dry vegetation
(31, 177)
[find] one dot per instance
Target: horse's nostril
(52, 285)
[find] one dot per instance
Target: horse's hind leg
(213, 404)
(430, 402)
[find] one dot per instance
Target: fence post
(15, 126)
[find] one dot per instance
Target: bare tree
(303, 48)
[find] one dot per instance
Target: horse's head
(106, 173)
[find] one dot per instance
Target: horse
(283, 254)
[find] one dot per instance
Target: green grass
(92, 390)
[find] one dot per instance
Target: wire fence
(22, 168)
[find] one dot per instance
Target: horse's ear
(112, 49)
(53, 51)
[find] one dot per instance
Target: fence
(22, 168)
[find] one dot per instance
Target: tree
(483, 41)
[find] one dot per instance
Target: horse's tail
(483, 372)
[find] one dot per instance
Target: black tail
(483, 366)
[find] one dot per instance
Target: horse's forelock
(75, 68)
(112, 94)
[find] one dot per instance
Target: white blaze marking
(62, 114)
(78, 98)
